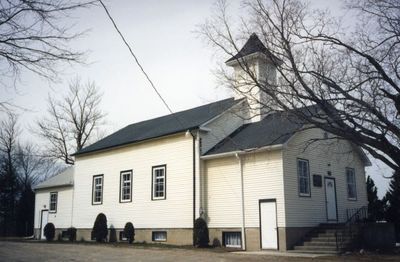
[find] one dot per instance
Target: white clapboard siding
(328, 155)
(262, 179)
(222, 126)
(60, 219)
(222, 180)
(173, 212)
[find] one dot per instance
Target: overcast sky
(162, 35)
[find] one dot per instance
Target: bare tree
(9, 132)
(35, 38)
(33, 166)
(346, 75)
(72, 121)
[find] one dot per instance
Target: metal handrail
(354, 216)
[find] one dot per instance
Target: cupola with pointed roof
(253, 57)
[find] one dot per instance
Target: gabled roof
(274, 129)
(253, 45)
(65, 178)
(161, 126)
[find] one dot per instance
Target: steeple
(253, 45)
(261, 62)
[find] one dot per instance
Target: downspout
(242, 198)
(194, 182)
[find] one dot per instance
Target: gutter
(243, 152)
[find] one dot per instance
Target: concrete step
(331, 226)
(315, 252)
(320, 243)
(324, 234)
(323, 238)
(316, 248)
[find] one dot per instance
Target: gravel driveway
(28, 251)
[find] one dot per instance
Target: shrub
(129, 231)
(200, 233)
(49, 231)
(71, 234)
(100, 230)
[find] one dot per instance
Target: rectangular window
(317, 180)
(159, 236)
(303, 173)
(97, 190)
(232, 239)
(125, 186)
(53, 202)
(159, 182)
(122, 236)
(351, 184)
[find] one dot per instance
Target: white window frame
(123, 184)
(95, 188)
(352, 172)
(154, 182)
(53, 210)
(301, 176)
(228, 236)
(159, 236)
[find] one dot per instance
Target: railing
(355, 217)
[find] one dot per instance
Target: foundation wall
(180, 237)
(287, 237)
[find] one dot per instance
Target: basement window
(159, 236)
(122, 236)
(232, 239)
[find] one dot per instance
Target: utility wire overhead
(138, 63)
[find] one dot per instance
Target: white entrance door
(330, 191)
(45, 216)
(269, 233)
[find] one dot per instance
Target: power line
(147, 76)
(138, 63)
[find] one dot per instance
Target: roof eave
(243, 152)
(53, 186)
(134, 142)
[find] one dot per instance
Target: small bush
(201, 238)
(49, 231)
(129, 231)
(71, 234)
(100, 230)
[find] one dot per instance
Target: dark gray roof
(274, 129)
(253, 45)
(161, 126)
(65, 178)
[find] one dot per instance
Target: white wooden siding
(60, 219)
(323, 156)
(262, 175)
(223, 125)
(223, 205)
(175, 211)
(262, 179)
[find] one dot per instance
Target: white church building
(258, 183)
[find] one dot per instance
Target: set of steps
(322, 240)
